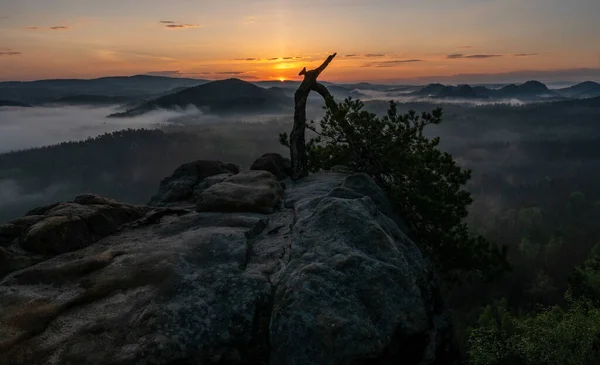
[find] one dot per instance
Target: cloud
(229, 72)
(455, 56)
(351, 55)
(375, 55)
(56, 27)
(250, 20)
(247, 59)
(10, 53)
(525, 54)
(167, 22)
(181, 26)
(164, 73)
(390, 63)
(465, 47)
(273, 58)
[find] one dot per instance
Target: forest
(534, 183)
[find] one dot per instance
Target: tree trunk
(297, 138)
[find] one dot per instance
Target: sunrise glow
(375, 40)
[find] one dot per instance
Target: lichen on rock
(318, 273)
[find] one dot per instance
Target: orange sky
(274, 39)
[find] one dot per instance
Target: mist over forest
(535, 161)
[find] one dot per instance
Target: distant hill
(43, 91)
(222, 97)
(528, 90)
(587, 89)
(13, 103)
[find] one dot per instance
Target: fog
(399, 96)
(22, 128)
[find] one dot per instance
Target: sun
(282, 79)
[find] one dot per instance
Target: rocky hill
(225, 267)
(223, 96)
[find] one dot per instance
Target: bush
(554, 336)
(425, 183)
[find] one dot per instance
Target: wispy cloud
(351, 55)
(273, 59)
(10, 53)
(171, 24)
(525, 54)
(164, 73)
(247, 59)
(229, 73)
(55, 27)
(250, 20)
(465, 47)
(390, 63)
(375, 55)
(473, 56)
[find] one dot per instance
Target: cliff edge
(225, 267)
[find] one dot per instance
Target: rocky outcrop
(250, 191)
(275, 164)
(60, 228)
(189, 180)
(327, 277)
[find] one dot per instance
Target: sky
(376, 40)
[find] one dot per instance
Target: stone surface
(275, 164)
(63, 227)
(180, 186)
(328, 278)
(250, 191)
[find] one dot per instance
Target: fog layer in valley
(22, 128)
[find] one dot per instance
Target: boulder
(275, 164)
(327, 278)
(207, 183)
(250, 191)
(355, 291)
(180, 186)
(66, 227)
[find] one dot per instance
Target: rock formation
(241, 273)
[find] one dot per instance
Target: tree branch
(297, 138)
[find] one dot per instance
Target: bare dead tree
(297, 138)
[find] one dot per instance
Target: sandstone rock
(207, 183)
(326, 279)
(356, 290)
(181, 184)
(66, 227)
(12, 230)
(250, 191)
(170, 294)
(275, 164)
